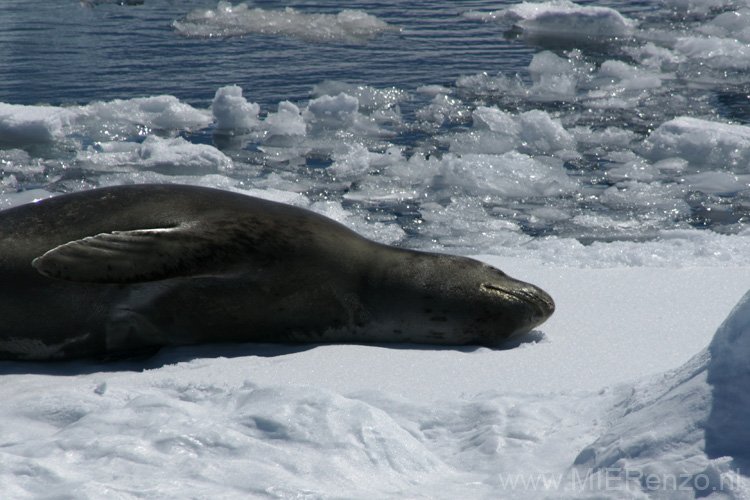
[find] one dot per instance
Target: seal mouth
(529, 294)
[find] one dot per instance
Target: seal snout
(537, 299)
(540, 299)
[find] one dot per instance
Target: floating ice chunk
(717, 53)
(120, 119)
(481, 142)
(16, 198)
(19, 161)
(637, 170)
(553, 75)
(493, 132)
(699, 7)
(464, 225)
(378, 106)
(168, 155)
(369, 98)
(234, 112)
(548, 62)
(510, 175)
(333, 114)
(540, 133)
(285, 132)
(181, 154)
(442, 109)
(377, 231)
(656, 58)
(348, 26)
(732, 24)
(701, 142)
(495, 120)
(423, 180)
(20, 125)
(400, 178)
(672, 165)
(645, 197)
(561, 18)
(287, 121)
(333, 110)
(610, 137)
(353, 163)
(498, 132)
(483, 84)
(628, 77)
(721, 183)
(433, 90)
(612, 84)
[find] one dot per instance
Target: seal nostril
(526, 293)
(496, 290)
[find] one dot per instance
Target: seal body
(118, 270)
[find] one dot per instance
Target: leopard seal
(116, 270)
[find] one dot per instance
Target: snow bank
(654, 441)
(163, 436)
(682, 434)
(165, 432)
(729, 376)
(348, 26)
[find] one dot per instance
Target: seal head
(455, 300)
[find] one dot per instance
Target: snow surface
(571, 411)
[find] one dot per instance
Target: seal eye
(494, 270)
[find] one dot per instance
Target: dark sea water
(66, 51)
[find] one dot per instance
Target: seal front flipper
(138, 256)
